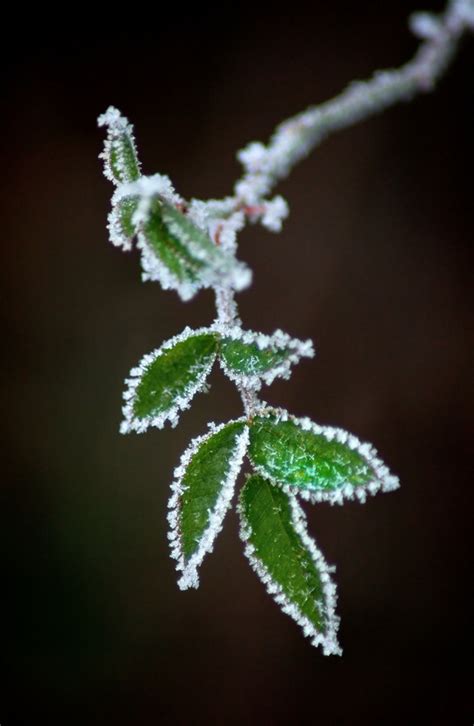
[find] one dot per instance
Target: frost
(424, 25)
(146, 189)
(252, 189)
(278, 341)
(275, 212)
(201, 213)
(383, 480)
(117, 235)
(153, 270)
(328, 640)
(253, 157)
(464, 12)
(181, 402)
(224, 231)
(221, 267)
(218, 263)
(189, 568)
(119, 145)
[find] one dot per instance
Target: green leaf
(120, 221)
(273, 526)
(174, 255)
(166, 380)
(120, 156)
(247, 356)
(202, 492)
(320, 462)
(127, 208)
(218, 267)
(178, 254)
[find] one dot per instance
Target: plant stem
(227, 317)
(298, 136)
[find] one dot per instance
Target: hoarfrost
(328, 640)
(276, 210)
(189, 568)
(133, 423)
(383, 480)
(117, 127)
(278, 340)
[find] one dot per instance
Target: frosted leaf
(120, 155)
(285, 557)
(146, 189)
(165, 381)
(175, 251)
(249, 358)
(165, 259)
(120, 220)
(320, 463)
(202, 490)
(221, 267)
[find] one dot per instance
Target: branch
(294, 139)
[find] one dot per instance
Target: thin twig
(294, 139)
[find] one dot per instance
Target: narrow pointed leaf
(278, 546)
(121, 163)
(202, 491)
(318, 462)
(166, 380)
(248, 357)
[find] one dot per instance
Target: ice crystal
(327, 639)
(189, 567)
(180, 402)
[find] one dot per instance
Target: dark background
(374, 264)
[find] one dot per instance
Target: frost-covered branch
(295, 138)
(187, 246)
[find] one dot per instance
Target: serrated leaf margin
(328, 641)
(116, 125)
(385, 481)
(140, 425)
(190, 577)
(278, 339)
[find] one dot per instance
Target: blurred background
(374, 264)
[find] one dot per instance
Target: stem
(227, 317)
(298, 136)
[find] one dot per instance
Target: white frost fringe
(327, 640)
(131, 422)
(189, 568)
(117, 126)
(383, 480)
(226, 269)
(279, 340)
